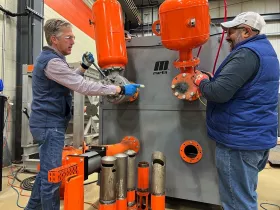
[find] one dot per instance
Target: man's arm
(58, 71)
(240, 69)
(80, 71)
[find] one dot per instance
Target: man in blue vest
(242, 100)
(52, 80)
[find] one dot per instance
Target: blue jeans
(45, 195)
(238, 176)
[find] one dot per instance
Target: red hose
(199, 50)
(221, 42)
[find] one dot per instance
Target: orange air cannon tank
(184, 25)
(109, 34)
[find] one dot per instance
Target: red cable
(199, 51)
(221, 42)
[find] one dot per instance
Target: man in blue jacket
(242, 117)
(52, 80)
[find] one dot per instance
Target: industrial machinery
(161, 123)
(117, 177)
(175, 127)
(77, 165)
(184, 25)
(111, 46)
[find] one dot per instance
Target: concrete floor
(268, 191)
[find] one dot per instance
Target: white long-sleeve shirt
(59, 71)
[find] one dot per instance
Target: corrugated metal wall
(234, 7)
(272, 30)
(237, 6)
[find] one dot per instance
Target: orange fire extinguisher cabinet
(109, 34)
(184, 24)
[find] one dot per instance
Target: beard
(237, 40)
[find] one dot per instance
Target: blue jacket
(249, 121)
(52, 102)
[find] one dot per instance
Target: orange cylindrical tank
(109, 34)
(184, 24)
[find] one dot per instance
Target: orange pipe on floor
(143, 186)
(131, 201)
(112, 206)
(131, 196)
(122, 204)
(158, 202)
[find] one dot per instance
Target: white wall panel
(83, 42)
(237, 6)
(8, 64)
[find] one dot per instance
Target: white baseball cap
(252, 19)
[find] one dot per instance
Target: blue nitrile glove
(87, 60)
(1, 85)
(130, 89)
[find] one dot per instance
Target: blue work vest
(249, 120)
(52, 102)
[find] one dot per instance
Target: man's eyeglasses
(67, 37)
(70, 37)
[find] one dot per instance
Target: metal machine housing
(162, 122)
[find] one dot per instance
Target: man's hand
(129, 90)
(209, 74)
(199, 76)
(87, 60)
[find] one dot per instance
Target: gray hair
(53, 27)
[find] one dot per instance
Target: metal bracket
(101, 150)
(192, 22)
(34, 12)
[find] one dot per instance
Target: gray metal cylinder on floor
(131, 182)
(158, 173)
(131, 167)
(121, 164)
(158, 181)
(108, 180)
(121, 181)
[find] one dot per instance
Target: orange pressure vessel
(184, 24)
(109, 34)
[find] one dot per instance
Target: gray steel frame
(29, 148)
(162, 122)
(78, 133)
(29, 45)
